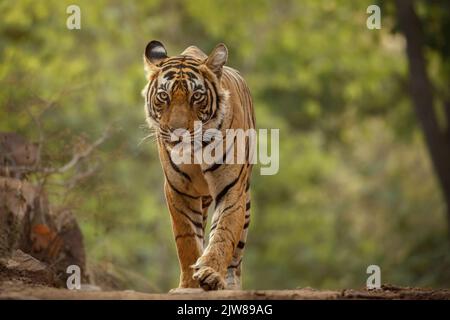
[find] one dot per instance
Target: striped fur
(180, 90)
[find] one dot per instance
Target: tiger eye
(163, 95)
(197, 95)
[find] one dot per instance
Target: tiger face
(183, 89)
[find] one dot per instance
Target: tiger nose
(179, 118)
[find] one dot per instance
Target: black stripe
(209, 101)
(222, 193)
(215, 95)
(247, 206)
(216, 166)
(246, 224)
(174, 166)
(235, 265)
(206, 205)
(191, 75)
(241, 245)
(180, 59)
(230, 206)
(184, 84)
(206, 202)
(195, 211)
(247, 148)
(180, 65)
(219, 127)
(188, 235)
(195, 223)
(169, 75)
(151, 91)
(179, 192)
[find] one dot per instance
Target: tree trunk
(437, 140)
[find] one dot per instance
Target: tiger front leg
(234, 269)
(187, 225)
(228, 224)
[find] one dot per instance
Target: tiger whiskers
(152, 133)
(153, 136)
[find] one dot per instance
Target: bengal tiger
(181, 90)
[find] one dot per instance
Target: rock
(17, 201)
(23, 267)
(29, 223)
(24, 262)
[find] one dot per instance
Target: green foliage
(355, 185)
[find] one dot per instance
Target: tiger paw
(209, 279)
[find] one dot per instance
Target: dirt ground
(17, 289)
(24, 277)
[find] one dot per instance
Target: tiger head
(184, 89)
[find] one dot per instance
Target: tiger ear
(155, 52)
(153, 55)
(217, 59)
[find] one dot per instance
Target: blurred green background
(355, 187)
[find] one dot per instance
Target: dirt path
(17, 290)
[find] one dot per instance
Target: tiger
(180, 91)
